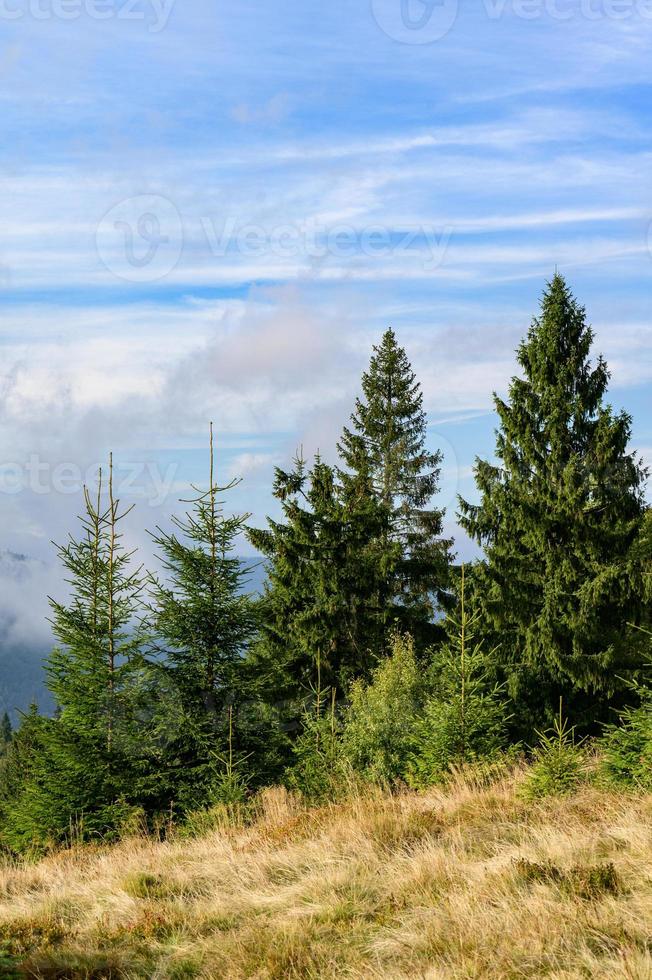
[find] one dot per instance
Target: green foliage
(626, 747)
(6, 732)
(558, 762)
(318, 767)
(184, 707)
(559, 514)
(82, 773)
(17, 770)
(386, 446)
(465, 714)
(379, 735)
(205, 621)
(9, 965)
(321, 599)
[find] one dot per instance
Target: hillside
(467, 882)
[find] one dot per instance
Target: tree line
(371, 650)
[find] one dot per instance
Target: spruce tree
(559, 512)
(388, 441)
(19, 765)
(465, 715)
(320, 610)
(90, 768)
(206, 621)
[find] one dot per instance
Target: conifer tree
(90, 767)
(465, 714)
(387, 441)
(206, 621)
(320, 605)
(559, 512)
(18, 781)
(91, 672)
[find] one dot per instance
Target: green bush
(380, 725)
(626, 756)
(319, 764)
(446, 736)
(465, 715)
(558, 762)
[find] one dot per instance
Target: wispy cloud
(364, 182)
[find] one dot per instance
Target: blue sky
(211, 211)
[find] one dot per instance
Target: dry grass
(467, 882)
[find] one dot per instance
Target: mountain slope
(468, 882)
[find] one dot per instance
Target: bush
(447, 737)
(558, 762)
(626, 756)
(465, 716)
(380, 725)
(318, 769)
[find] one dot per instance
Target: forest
(373, 657)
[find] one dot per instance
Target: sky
(211, 211)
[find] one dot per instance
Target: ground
(466, 881)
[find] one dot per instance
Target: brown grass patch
(464, 882)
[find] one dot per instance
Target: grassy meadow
(465, 881)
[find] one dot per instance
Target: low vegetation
(466, 880)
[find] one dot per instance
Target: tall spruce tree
(387, 441)
(206, 621)
(88, 767)
(320, 611)
(558, 515)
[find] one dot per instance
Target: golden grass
(469, 881)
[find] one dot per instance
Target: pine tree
(324, 573)
(206, 621)
(91, 673)
(90, 768)
(559, 512)
(18, 770)
(387, 443)
(465, 712)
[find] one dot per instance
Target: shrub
(626, 756)
(319, 765)
(380, 724)
(558, 763)
(464, 718)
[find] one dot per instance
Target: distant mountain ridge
(22, 675)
